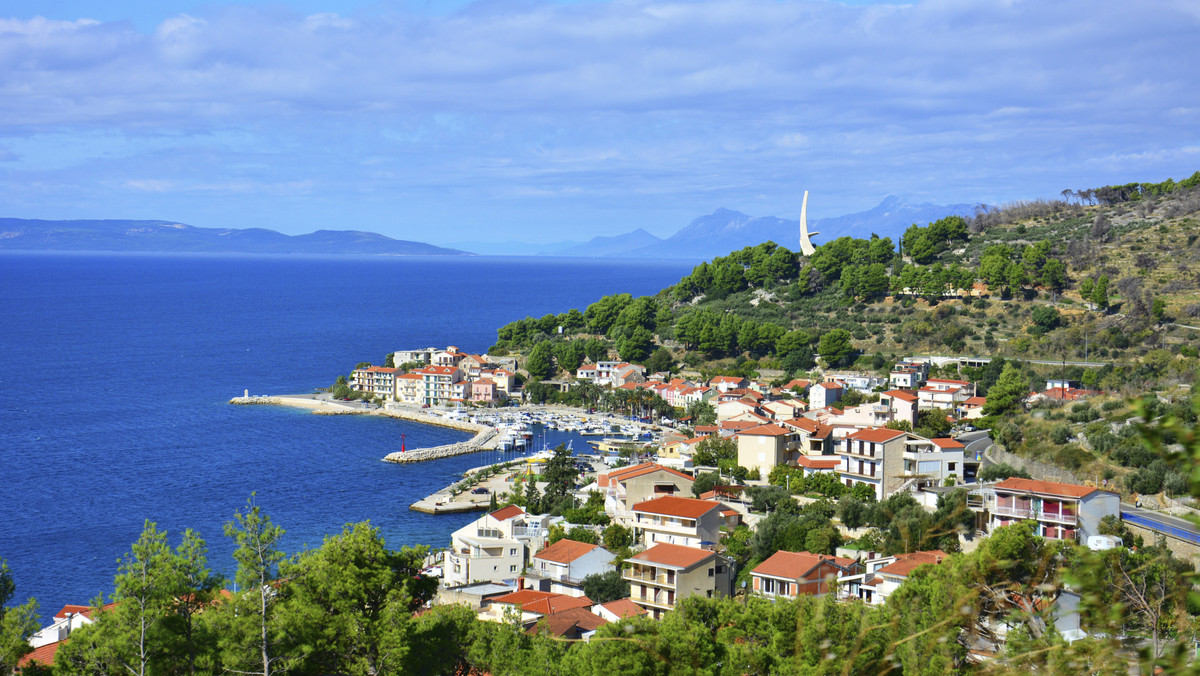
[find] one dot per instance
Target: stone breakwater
(485, 438)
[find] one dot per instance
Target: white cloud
(685, 102)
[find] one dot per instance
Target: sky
(449, 121)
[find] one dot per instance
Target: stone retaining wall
(1037, 470)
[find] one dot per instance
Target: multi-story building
(437, 384)
(872, 456)
(664, 574)
(625, 487)
(494, 547)
(561, 567)
(909, 375)
(792, 574)
(764, 447)
(892, 460)
(945, 394)
(376, 380)
(1062, 511)
(824, 394)
(680, 521)
(409, 388)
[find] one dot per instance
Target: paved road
(1163, 523)
(977, 443)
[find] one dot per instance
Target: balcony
(661, 579)
(527, 531)
(1026, 513)
(855, 472)
(868, 452)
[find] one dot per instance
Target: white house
(561, 567)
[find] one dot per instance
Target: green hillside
(1108, 275)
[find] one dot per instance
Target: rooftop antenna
(806, 246)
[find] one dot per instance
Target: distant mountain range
(706, 237)
(724, 230)
(171, 237)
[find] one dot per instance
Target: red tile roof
(770, 430)
(507, 513)
(902, 395)
(72, 610)
(565, 551)
(951, 382)
(556, 604)
(626, 473)
(907, 563)
(674, 556)
(42, 655)
(877, 435)
(670, 505)
(975, 401)
(947, 443)
(737, 424)
(571, 622)
(624, 608)
(797, 565)
(812, 462)
(1045, 487)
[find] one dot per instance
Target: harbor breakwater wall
(484, 439)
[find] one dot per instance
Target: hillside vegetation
(1108, 278)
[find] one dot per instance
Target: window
(951, 467)
(512, 552)
(512, 569)
(710, 572)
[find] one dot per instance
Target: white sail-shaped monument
(806, 245)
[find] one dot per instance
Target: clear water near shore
(117, 370)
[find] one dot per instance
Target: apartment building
(627, 486)
(680, 521)
(376, 380)
(664, 574)
(1062, 511)
(764, 447)
(494, 547)
(438, 384)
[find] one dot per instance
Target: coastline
(322, 404)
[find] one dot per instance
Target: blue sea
(116, 371)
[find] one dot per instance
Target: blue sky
(448, 121)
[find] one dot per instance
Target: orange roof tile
(565, 551)
(507, 513)
(569, 623)
(797, 565)
(42, 654)
(670, 505)
(770, 430)
(877, 435)
(947, 443)
(907, 563)
(902, 395)
(556, 603)
(1045, 487)
(812, 462)
(624, 608)
(673, 556)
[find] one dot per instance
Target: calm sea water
(116, 369)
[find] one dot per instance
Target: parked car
(480, 491)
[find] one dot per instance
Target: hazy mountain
(724, 230)
(169, 237)
(618, 245)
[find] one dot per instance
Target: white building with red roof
(626, 486)
(792, 574)
(1062, 511)
(680, 521)
(494, 547)
(893, 460)
(824, 394)
(664, 574)
(561, 567)
(727, 383)
(879, 577)
(621, 609)
(530, 605)
(437, 384)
